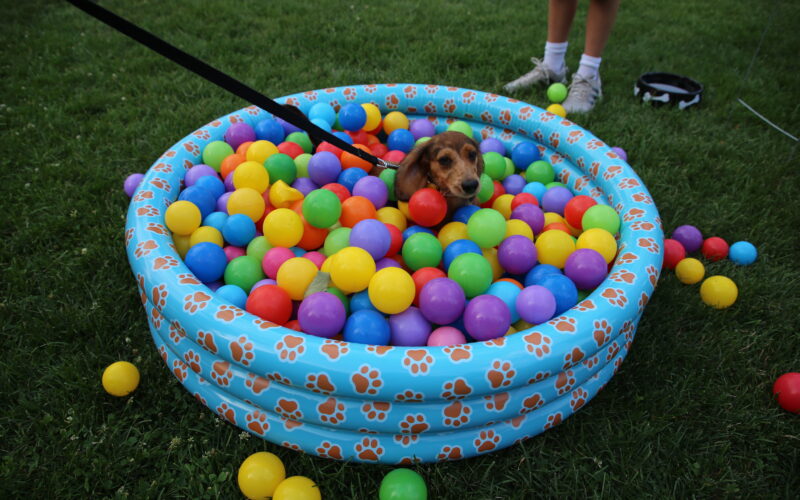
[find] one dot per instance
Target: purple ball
(517, 254)
(442, 301)
(322, 314)
(409, 328)
(487, 317)
(288, 128)
(586, 268)
(265, 281)
(689, 236)
(222, 202)
(304, 185)
(239, 133)
(421, 128)
(372, 188)
(386, 262)
(324, 167)
(131, 183)
(536, 304)
(229, 183)
(196, 172)
(514, 184)
(530, 214)
(492, 144)
(555, 199)
(620, 152)
(372, 235)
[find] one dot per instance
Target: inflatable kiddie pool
(399, 404)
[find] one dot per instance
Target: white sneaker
(540, 74)
(583, 94)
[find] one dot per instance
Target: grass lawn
(690, 412)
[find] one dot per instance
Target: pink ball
(446, 335)
(231, 252)
(274, 258)
(315, 257)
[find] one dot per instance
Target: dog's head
(451, 161)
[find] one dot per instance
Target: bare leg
(599, 21)
(560, 14)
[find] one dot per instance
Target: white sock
(554, 54)
(589, 67)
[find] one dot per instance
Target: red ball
(559, 226)
(294, 325)
(424, 275)
(340, 191)
(290, 148)
(427, 207)
(327, 146)
(498, 190)
(787, 389)
(714, 249)
(378, 149)
(396, 240)
(673, 253)
(270, 303)
(360, 137)
(394, 156)
(524, 198)
(575, 208)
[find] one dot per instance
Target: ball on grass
(690, 271)
(403, 484)
(557, 92)
(719, 292)
(787, 390)
(120, 378)
(260, 474)
(743, 253)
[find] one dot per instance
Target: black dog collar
(667, 88)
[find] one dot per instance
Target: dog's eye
(472, 155)
(445, 161)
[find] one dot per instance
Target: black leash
(221, 79)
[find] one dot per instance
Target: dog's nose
(470, 186)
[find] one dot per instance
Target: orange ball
(350, 160)
(356, 209)
(242, 149)
(230, 163)
(313, 237)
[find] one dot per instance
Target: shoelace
(582, 88)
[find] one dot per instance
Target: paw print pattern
(490, 97)
(252, 110)
(188, 279)
(143, 195)
(288, 408)
(449, 105)
(156, 317)
(290, 347)
(176, 331)
(367, 380)
(320, 383)
(200, 398)
(622, 276)
(242, 351)
(291, 446)
(277, 377)
(405, 440)
(652, 275)
(414, 424)
(165, 168)
(496, 402)
(574, 136)
(326, 449)
(334, 349)
(192, 148)
(468, 97)
(564, 325)
(228, 313)
(456, 414)
(538, 136)
(602, 332)
(349, 94)
(538, 377)
(179, 370)
(256, 384)
(410, 92)
(611, 172)
(546, 117)
(633, 214)
(409, 396)
(504, 117)
(581, 182)
(532, 402)
(195, 302)
(392, 101)
(615, 297)
(456, 389)
(594, 144)
(295, 102)
(564, 381)
(555, 139)
(312, 95)
(164, 263)
(144, 248)
(193, 360)
(226, 412)
(498, 342)
(537, 344)
(612, 351)
(501, 374)
(221, 373)
(590, 363)
(450, 453)
(202, 134)
(573, 357)
(158, 296)
(417, 361)
(369, 449)
(379, 350)
(643, 299)
(459, 353)
(627, 258)
(128, 236)
(586, 305)
(506, 134)
(206, 340)
(486, 441)
(525, 112)
(642, 198)
(257, 422)
(375, 410)
(553, 420)
(147, 211)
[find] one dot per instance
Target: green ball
(473, 272)
(345, 300)
(322, 208)
(301, 162)
(244, 272)
(215, 152)
(388, 176)
(302, 140)
(421, 140)
(487, 188)
(336, 240)
(557, 92)
(257, 247)
(539, 171)
(403, 484)
(510, 168)
(494, 165)
(461, 126)
(422, 250)
(555, 184)
(486, 227)
(281, 167)
(601, 216)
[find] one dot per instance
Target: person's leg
(560, 14)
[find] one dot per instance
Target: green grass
(690, 412)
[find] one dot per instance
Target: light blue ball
(233, 294)
(360, 301)
(216, 220)
(507, 292)
(535, 188)
(743, 253)
(238, 230)
(319, 122)
(322, 111)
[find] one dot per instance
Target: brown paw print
(221, 373)
(188, 279)
(334, 349)
(176, 331)
(376, 411)
(632, 214)
(581, 182)
(369, 449)
(652, 275)
(574, 136)
(156, 317)
(486, 116)
(602, 332)
(164, 263)
(227, 413)
(349, 93)
(537, 344)
(414, 424)
(319, 383)
(257, 422)
(291, 446)
(538, 136)
(501, 374)
(326, 449)
(195, 302)
(163, 352)
(392, 101)
(553, 420)
(456, 389)
(617, 364)
(459, 353)
(564, 325)
(256, 384)
(532, 402)
(496, 402)
(147, 211)
(288, 408)
(410, 92)
(627, 258)
(192, 148)
(516, 422)
(431, 89)
(622, 276)
(555, 139)
(486, 441)
(380, 350)
(128, 236)
(546, 117)
(468, 97)
(143, 195)
(193, 360)
(371, 89)
(591, 362)
(573, 357)
(331, 411)
(611, 172)
(498, 342)
(417, 361)
(367, 380)
(430, 108)
(144, 248)
(615, 297)
(525, 112)
(140, 285)
(201, 134)
(228, 313)
(206, 340)
(179, 369)
(450, 453)
(409, 396)
(290, 347)
(538, 377)
(200, 398)
(405, 440)
(564, 381)
(504, 117)
(277, 377)
(456, 414)
(242, 351)
(165, 168)
(612, 351)
(578, 398)
(642, 225)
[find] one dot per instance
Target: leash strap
(220, 79)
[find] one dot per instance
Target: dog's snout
(470, 186)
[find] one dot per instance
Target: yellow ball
(451, 232)
(326, 264)
(373, 116)
(554, 247)
(719, 292)
(352, 269)
(557, 109)
(283, 227)
(260, 475)
(690, 271)
(391, 290)
(599, 240)
(282, 195)
(120, 378)
(247, 201)
(204, 234)
(394, 121)
(297, 488)
(183, 217)
(550, 217)
(182, 244)
(503, 204)
(251, 174)
(490, 254)
(403, 207)
(520, 227)
(391, 215)
(261, 150)
(295, 275)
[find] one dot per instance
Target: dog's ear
(413, 172)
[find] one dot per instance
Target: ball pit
(393, 404)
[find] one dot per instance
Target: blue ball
(535, 188)
(464, 213)
(216, 220)
(457, 248)
(203, 198)
(743, 253)
(233, 294)
(352, 117)
(507, 292)
(400, 140)
(563, 289)
(270, 130)
(343, 136)
(538, 272)
(322, 111)
(212, 184)
(367, 327)
(411, 230)
(349, 176)
(319, 122)
(360, 301)
(238, 230)
(297, 251)
(207, 261)
(524, 153)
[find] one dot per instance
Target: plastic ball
(324, 111)
(689, 236)
(516, 227)
(295, 275)
(212, 184)
(373, 189)
(356, 209)
(690, 271)
(554, 247)
(486, 190)
(352, 269)
(427, 207)
(258, 247)
(403, 484)
(409, 328)
(556, 93)
(599, 240)
(243, 272)
(350, 176)
(486, 227)
(524, 153)
(576, 207)
(231, 252)
(586, 268)
(538, 272)
(132, 183)
(620, 152)
(445, 336)
(714, 249)
(270, 130)
(719, 292)
(419, 128)
(602, 216)
(238, 133)
(336, 240)
(531, 215)
(273, 259)
(422, 250)
(473, 272)
(251, 174)
(494, 165)
(517, 254)
(507, 291)
(556, 199)
(283, 227)
(557, 109)
(492, 144)
(540, 171)
(322, 208)
(487, 317)
(352, 117)
(442, 301)
(743, 253)
(400, 140)
(203, 199)
(247, 201)
(304, 185)
(322, 314)
(270, 303)
(238, 229)
(373, 236)
(233, 294)
(562, 288)
(206, 234)
(464, 213)
(396, 120)
(391, 290)
(324, 167)
(207, 261)
(120, 378)
(281, 167)
(183, 217)
(673, 253)
(260, 474)
(461, 126)
(787, 390)
(259, 151)
(422, 276)
(502, 204)
(536, 304)
(215, 152)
